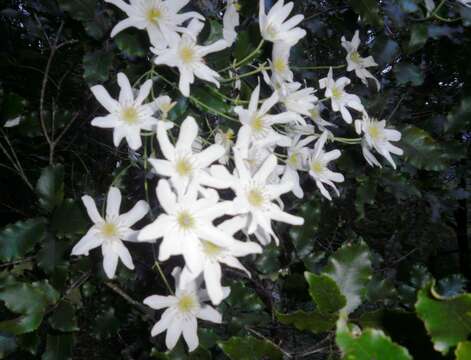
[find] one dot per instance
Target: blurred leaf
(365, 194)
(448, 321)
(69, 219)
(313, 321)
(59, 347)
(303, 237)
(17, 239)
(30, 342)
(268, 262)
(451, 286)
(7, 345)
(460, 118)
(131, 43)
(97, 65)
(50, 187)
(79, 10)
(325, 293)
(418, 36)
(63, 318)
(368, 11)
(463, 350)
(408, 73)
(248, 348)
(12, 106)
(385, 50)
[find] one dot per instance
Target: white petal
(133, 138)
(91, 209)
(266, 169)
(144, 92)
(212, 278)
(166, 196)
(86, 243)
(123, 254)
(210, 155)
(126, 95)
(174, 331)
(106, 122)
(156, 229)
(104, 98)
(167, 317)
(208, 313)
(110, 262)
(135, 214)
(113, 203)
(158, 302)
(188, 134)
(190, 333)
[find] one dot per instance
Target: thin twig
(129, 299)
(287, 354)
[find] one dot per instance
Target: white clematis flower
(279, 65)
(226, 140)
(110, 232)
(160, 18)
(377, 137)
(318, 167)
(187, 221)
(230, 21)
(182, 311)
(164, 105)
(297, 100)
(185, 54)
(255, 197)
(466, 3)
(257, 123)
(357, 63)
(275, 28)
(215, 255)
(340, 99)
(127, 116)
(182, 164)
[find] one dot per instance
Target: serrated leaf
(50, 187)
(249, 348)
(325, 293)
(97, 65)
(368, 11)
(350, 267)
(313, 321)
(463, 350)
(63, 318)
(58, 347)
(17, 239)
(69, 219)
(448, 321)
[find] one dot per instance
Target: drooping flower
(230, 21)
(182, 311)
(160, 18)
(340, 99)
(257, 123)
(275, 27)
(181, 164)
(357, 63)
(215, 255)
(127, 115)
(185, 54)
(255, 197)
(279, 65)
(378, 137)
(111, 231)
(297, 100)
(187, 221)
(226, 140)
(318, 167)
(164, 105)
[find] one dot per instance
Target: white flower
(230, 21)
(257, 123)
(255, 196)
(128, 115)
(164, 105)
(318, 162)
(274, 27)
(215, 255)
(340, 99)
(182, 164)
(186, 222)
(226, 140)
(160, 18)
(377, 137)
(110, 232)
(297, 100)
(465, 2)
(279, 64)
(357, 63)
(185, 54)
(182, 311)
(316, 116)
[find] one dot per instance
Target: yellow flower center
(317, 167)
(374, 132)
(129, 115)
(154, 15)
(336, 93)
(184, 167)
(186, 303)
(271, 30)
(210, 249)
(187, 54)
(314, 114)
(229, 135)
(280, 65)
(237, 6)
(255, 198)
(109, 230)
(185, 220)
(257, 124)
(355, 56)
(293, 160)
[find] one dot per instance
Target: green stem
(348, 141)
(164, 278)
(250, 73)
(322, 67)
(244, 60)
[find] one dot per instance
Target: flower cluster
(221, 202)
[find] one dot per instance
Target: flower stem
(244, 60)
(164, 278)
(322, 67)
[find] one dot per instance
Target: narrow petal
(134, 139)
(135, 214)
(104, 98)
(266, 169)
(144, 92)
(127, 23)
(174, 331)
(123, 254)
(91, 209)
(158, 302)
(113, 203)
(190, 333)
(167, 148)
(210, 155)
(86, 243)
(106, 122)
(208, 313)
(187, 135)
(126, 95)
(166, 196)
(167, 317)
(156, 229)
(212, 278)
(110, 261)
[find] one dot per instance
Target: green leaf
(365, 194)
(408, 73)
(325, 293)
(50, 187)
(207, 100)
(448, 321)
(418, 37)
(368, 345)
(350, 267)
(249, 348)
(303, 236)
(97, 65)
(51, 254)
(82, 10)
(314, 321)
(69, 219)
(131, 43)
(460, 118)
(7, 345)
(244, 45)
(17, 239)
(63, 318)
(368, 10)
(30, 342)
(268, 262)
(59, 347)
(463, 350)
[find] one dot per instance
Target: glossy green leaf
(63, 318)
(58, 347)
(368, 11)
(51, 254)
(314, 321)
(448, 321)
(249, 348)
(70, 219)
(463, 350)
(350, 267)
(325, 293)
(17, 239)
(79, 10)
(50, 187)
(97, 65)
(205, 99)
(131, 43)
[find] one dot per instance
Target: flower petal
(158, 302)
(91, 209)
(190, 333)
(113, 203)
(135, 214)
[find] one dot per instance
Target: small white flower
(110, 232)
(128, 116)
(230, 21)
(279, 65)
(187, 221)
(340, 99)
(274, 27)
(182, 165)
(297, 100)
(226, 140)
(377, 137)
(182, 311)
(215, 255)
(255, 197)
(164, 105)
(257, 123)
(357, 63)
(185, 54)
(466, 3)
(318, 167)
(160, 18)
